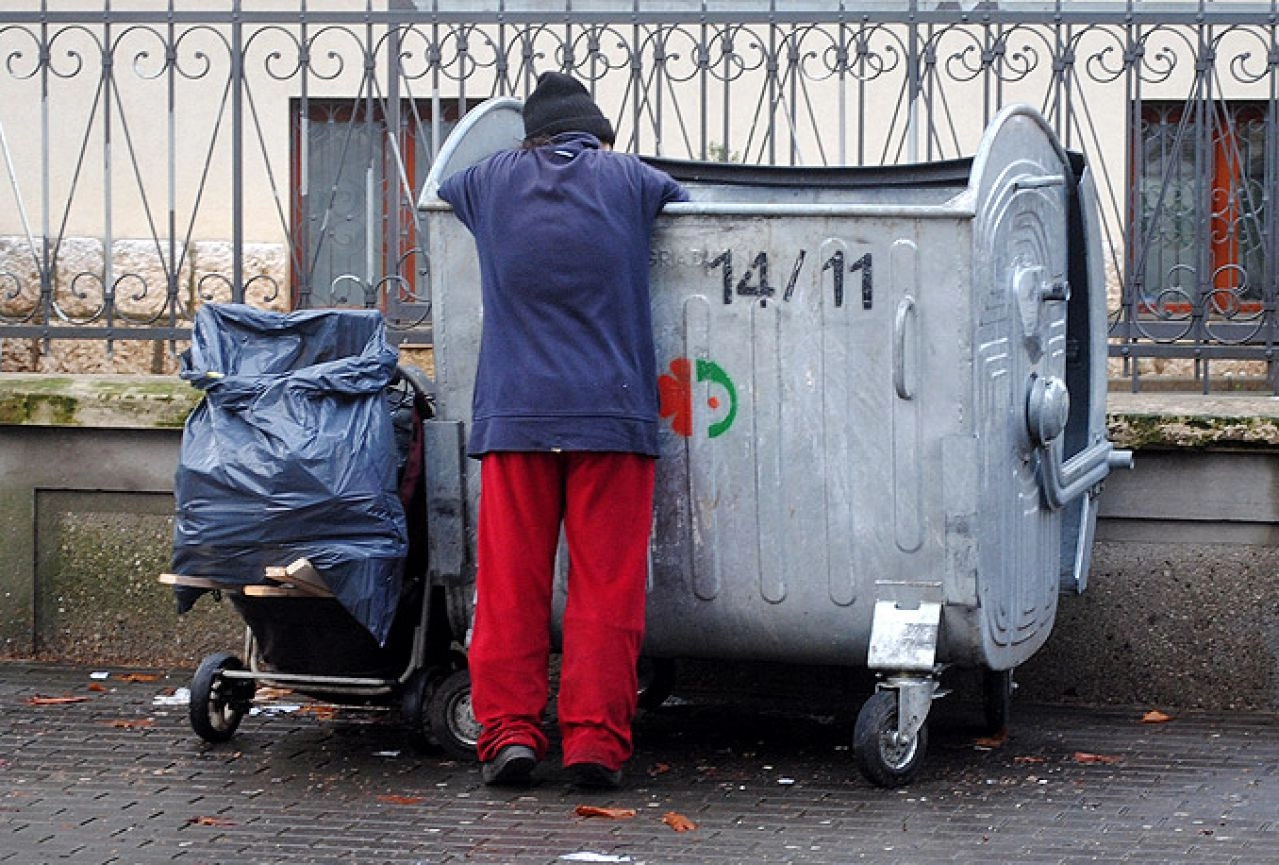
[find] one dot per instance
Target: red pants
(605, 503)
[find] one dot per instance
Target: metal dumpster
(883, 392)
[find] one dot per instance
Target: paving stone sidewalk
(117, 777)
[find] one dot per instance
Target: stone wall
(140, 296)
(1166, 623)
(98, 556)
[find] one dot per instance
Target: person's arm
(459, 190)
(673, 191)
(661, 188)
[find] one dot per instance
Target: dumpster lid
(944, 188)
(497, 124)
(948, 173)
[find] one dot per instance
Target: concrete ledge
(1135, 420)
(95, 401)
(1182, 420)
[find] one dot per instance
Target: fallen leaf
(324, 713)
(131, 724)
(610, 813)
(138, 677)
(211, 821)
(1154, 716)
(391, 799)
(1086, 758)
(678, 822)
(659, 769)
(990, 743)
(94, 686)
(267, 693)
(1030, 759)
(54, 701)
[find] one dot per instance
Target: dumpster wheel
(656, 681)
(997, 694)
(418, 693)
(882, 757)
(217, 703)
(452, 721)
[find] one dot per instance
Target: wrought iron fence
(171, 153)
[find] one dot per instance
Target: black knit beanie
(561, 104)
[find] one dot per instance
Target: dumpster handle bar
(1062, 483)
(903, 329)
(957, 207)
(1041, 182)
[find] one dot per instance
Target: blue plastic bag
(291, 454)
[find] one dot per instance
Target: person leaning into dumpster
(564, 421)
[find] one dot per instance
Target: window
(355, 235)
(1200, 208)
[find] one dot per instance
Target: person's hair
(542, 140)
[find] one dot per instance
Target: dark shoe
(594, 776)
(512, 767)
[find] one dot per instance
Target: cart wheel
(881, 758)
(997, 693)
(418, 692)
(451, 721)
(218, 704)
(656, 681)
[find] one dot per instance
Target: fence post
(394, 169)
(237, 153)
(108, 235)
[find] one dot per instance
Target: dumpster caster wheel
(997, 697)
(218, 703)
(418, 693)
(452, 722)
(881, 757)
(656, 681)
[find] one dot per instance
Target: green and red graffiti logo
(675, 390)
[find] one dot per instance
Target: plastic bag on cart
(291, 454)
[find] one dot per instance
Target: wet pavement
(114, 775)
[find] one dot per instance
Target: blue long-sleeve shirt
(567, 360)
